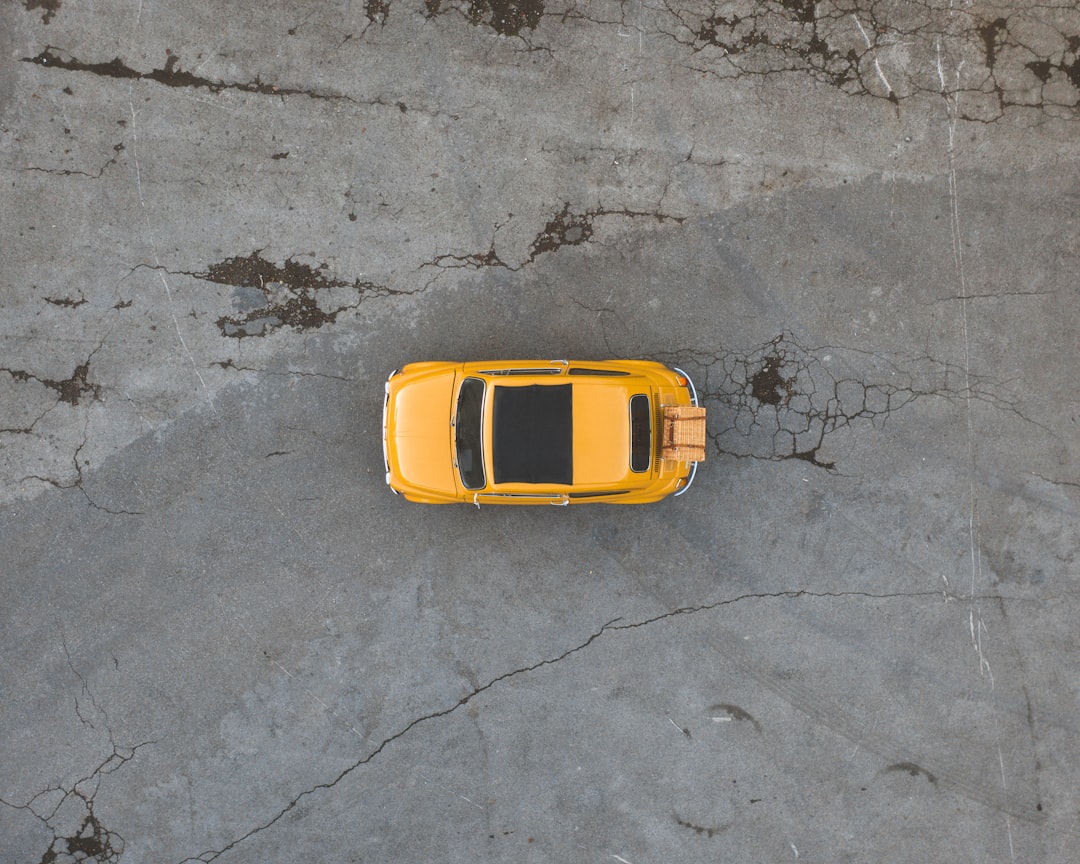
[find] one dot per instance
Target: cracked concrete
(854, 224)
(170, 75)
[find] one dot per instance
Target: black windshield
(468, 431)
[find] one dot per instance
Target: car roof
(533, 434)
(555, 431)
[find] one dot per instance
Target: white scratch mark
(620, 858)
(446, 788)
(873, 51)
(720, 719)
(977, 627)
(793, 849)
(153, 248)
(1005, 789)
(168, 291)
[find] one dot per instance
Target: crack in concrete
(1054, 482)
(68, 811)
(77, 483)
(73, 172)
(573, 229)
(782, 400)
(211, 855)
(994, 295)
(66, 302)
(68, 390)
(285, 373)
(566, 228)
(85, 689)
(170, 75)
(848, 48)
(292, 294)
(505, 17)
(25, 430)
(611, 626)
(377, 11)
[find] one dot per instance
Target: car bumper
(385, 419)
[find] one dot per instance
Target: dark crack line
(170, 75)
(67, 302)
(290, 293)
(287, 373)
(506, 17)
(69, 390)
(611, 626)
(573, 229)
(91, 840)
(846, 48)
(600, 313)
(801, 593)
(994, 296)
(71, 172)
(566, 228)
(77, 483)
(85, 688)
(27, 430)
(211, 855)
(1053, 482)
(785, 402)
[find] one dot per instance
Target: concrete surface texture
(855, 639)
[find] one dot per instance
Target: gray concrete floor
(224, 224)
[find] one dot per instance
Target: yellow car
(541, 432)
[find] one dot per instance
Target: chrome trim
(694, 400)
(562, 496)
(690, 383)
(385, 451)
(520, 370)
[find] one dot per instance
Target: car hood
(419, 427)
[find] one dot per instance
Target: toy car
(541, 432)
